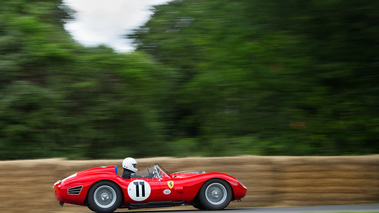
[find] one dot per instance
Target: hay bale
(334, 174)
(323, 167)
(326, 160)
(270, 180)
(317, 203)
(322, 197)
(364, 189)
(328, 182)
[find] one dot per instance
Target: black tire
(215, 194)
(104, 197)
(196, 203)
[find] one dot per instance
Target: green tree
(290, 77)
(62, 99)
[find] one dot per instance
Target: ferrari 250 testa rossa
(103, 190)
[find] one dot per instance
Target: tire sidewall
(91, 201)
(206, 204)
(196, 203)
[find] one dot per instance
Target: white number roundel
(139, 190)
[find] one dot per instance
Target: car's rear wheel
(104, 197)
(215, 194)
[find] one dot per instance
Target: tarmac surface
(304, 209)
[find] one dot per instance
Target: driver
(130, 167)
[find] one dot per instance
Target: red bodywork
(181, 186)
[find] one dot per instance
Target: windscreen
(151, 172)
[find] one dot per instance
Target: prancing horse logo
(170, 184)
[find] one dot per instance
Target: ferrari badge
(170, 184)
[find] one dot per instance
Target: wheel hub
(105, 196)
(215, 193)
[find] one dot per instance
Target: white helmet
(130, 164)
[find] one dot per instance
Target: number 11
(137, 188)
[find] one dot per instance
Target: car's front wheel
(215, 194)
(104, 197)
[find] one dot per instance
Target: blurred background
(206, 78)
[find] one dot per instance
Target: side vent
(74, 190)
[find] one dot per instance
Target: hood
(97, 170)
(102, 169)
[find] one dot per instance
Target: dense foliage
(61, 99)
(209, 77)
(271, 77)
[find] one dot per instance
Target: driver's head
(130, 164)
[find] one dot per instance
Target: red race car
(103, 190)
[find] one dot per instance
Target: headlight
(69, 177)
(58, 182)
(242, 184)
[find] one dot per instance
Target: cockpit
(155, 171)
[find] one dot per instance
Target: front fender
(64, 190)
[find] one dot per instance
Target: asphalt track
(306, 209)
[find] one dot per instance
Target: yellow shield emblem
(170, 184)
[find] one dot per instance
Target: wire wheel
(215, 194)
(104, 197)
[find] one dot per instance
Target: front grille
(74, 190)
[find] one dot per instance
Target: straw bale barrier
(25, 185)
